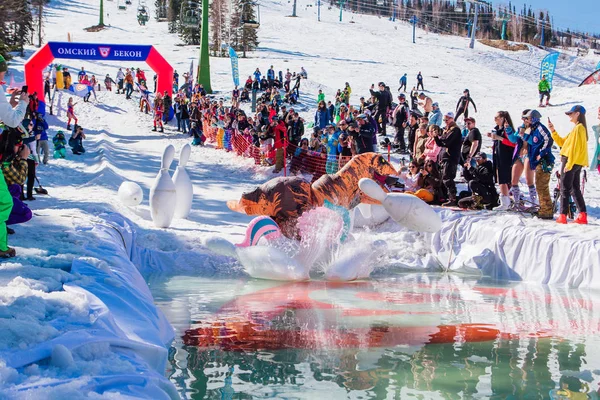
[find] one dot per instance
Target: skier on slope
(402, 83)
(544, 90)
(462, 107)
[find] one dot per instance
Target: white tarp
(123, 318)
(504, 247)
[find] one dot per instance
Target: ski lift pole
(413, 21)
(319, 10)
(474, 28)
(341, 9)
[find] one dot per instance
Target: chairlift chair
(142, 15)
(246, 23)
(121, 5)
(128, 2)
(459, 6)
(190, 14)
(161, 12)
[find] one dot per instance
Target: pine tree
(218, 26)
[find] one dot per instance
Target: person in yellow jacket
(574, 157)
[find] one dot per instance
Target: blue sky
(585, 16)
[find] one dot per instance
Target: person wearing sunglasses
(539, 150)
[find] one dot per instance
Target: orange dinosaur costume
(285, 198)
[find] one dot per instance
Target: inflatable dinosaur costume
(285, 198)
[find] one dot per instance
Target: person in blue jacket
(539, 150)
(322, 116)
(271, 76)
(41, 126)
(402, 83)
(333, 134)
(257, 74)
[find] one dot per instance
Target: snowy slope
(121, 147)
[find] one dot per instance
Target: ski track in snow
(120, 146)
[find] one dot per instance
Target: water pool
(412, 336)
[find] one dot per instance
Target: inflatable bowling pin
(163, 194)
(406, 209)
(183, 184)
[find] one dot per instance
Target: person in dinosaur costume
(285, 198)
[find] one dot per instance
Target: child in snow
(59, 142)
(199, 138)
(71, 113)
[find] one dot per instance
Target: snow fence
(511, 247)
(122, 315)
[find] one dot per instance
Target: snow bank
(512, 247)
(115, 339)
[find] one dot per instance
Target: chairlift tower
(505, 19)
(474, 28)
(204, 61)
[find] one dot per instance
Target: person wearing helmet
(462, 107)
(539, 150)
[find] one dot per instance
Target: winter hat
(3, 65)
(481, 154)
(533, 114)
(450, 114)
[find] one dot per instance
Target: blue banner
(235, 70)
(94, 51)
(548, 67)
(598, 66)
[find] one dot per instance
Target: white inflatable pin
(162, 193)
(183, 184)
(406, 209)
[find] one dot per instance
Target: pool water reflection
(430, 336)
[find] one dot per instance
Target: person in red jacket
(278, 131)
(141, 77)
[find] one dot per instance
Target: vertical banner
(191, 77)
(235, 71)
(598, 66)
(548, 66)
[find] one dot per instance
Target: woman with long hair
(574, 156)
(520, 165)
(503, 150)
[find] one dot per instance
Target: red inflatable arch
(35, 66)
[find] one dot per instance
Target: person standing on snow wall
(544, 90)
(11, 114)
(574, 156)
(462, 107)
(539, 150)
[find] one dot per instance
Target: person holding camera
(449, 157)
(362, 134)
(480, 179)
(384, 101)
(76, 140)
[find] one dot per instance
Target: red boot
(562, 219)
(581, 219)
